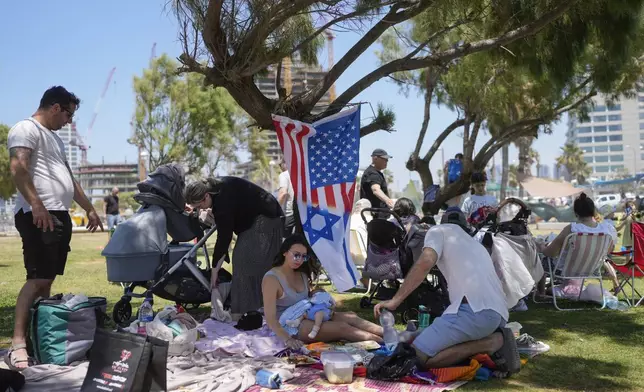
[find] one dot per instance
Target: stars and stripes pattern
(322, 159)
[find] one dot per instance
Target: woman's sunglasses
(300, 256)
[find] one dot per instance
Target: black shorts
(45, 253)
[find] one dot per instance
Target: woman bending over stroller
(243, 208)
(288, 284)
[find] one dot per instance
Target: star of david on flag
(322, 159)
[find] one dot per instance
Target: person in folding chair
(586, 213)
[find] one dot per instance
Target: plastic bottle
(424, 317)
(390, 336)
(146, 314)
(613, 303)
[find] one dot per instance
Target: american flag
(323, 162)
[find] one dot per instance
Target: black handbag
(402, 362)
(125, 362)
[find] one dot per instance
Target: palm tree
(572, 158)
(535, 158)
(513, 176)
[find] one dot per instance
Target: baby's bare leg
(319, 319)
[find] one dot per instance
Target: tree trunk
(523, 169)
(505, 170)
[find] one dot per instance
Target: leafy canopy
(179, 119)
(7, 187)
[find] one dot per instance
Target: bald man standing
(112, 209)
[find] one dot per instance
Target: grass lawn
(590, 350)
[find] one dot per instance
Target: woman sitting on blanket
(285, 288)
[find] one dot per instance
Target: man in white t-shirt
(46, 188)
(285, 197)
(474, 322)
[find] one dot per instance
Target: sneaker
(507, 358)
(526, 344)
(521, 306)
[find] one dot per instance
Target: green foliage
(7, 187)
(178, 119)
(572, 158)
(126, 199)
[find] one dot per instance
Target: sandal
(507, 359)
(12, 362)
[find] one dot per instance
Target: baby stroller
(391, 252)
(140, 255)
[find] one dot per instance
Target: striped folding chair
(632, 268)
(581, 257)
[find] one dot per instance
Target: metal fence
(6, 223)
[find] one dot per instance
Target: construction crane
(77, 139)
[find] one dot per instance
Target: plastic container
(515, 327)
(338, 367)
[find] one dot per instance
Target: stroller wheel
(409, 314)
(365, 303)
(122, 312)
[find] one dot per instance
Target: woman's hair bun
(582, 196)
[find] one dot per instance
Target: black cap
(379, 152)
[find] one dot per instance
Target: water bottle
(424, 317)
(613, 303)
(390, 336)
(146, 314)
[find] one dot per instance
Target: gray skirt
(253, 256)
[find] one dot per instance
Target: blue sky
(77, 43)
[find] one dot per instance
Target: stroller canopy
(143, 234)
(164, 187)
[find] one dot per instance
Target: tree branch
(517, 129)
(268, 22)
(212, 35)
(407, 64)
(371, 128)
(281, 92)
(319, 31)
(430, 83)
(441, 138)
(392, 18)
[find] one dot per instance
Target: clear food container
(338, 367)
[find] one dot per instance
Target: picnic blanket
(312, 380)
(225, 337)
(198, 372)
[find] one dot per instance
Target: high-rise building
(612, 137)
(302, 77)
(544, 171)
(98, 180)
(68, 136)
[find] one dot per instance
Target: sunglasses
(300, 256)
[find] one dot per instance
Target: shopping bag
(125, 362)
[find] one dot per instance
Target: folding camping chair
(634, 266)
(581, 257)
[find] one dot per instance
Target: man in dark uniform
(373, 185)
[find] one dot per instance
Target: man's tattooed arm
(20, 158)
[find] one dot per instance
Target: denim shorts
(451, 329)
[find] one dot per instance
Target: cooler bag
(60, 335)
